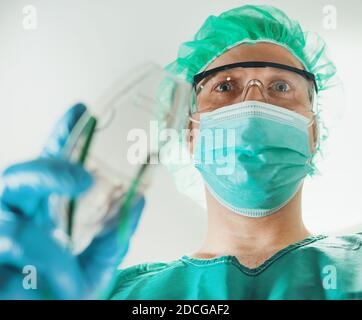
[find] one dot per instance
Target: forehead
(256, 52)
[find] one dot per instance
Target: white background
(81, 46)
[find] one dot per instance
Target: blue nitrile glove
(27, 231)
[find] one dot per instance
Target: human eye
(224, 87)
(281, 86)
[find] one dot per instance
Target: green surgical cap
(252, 24)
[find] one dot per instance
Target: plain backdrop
(79, 47)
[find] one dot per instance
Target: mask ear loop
(312, 95)
(193, 120)
(313, 122)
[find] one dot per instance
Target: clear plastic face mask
(102, 142)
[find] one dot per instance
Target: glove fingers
(30, 246)
(58, 138)
(28, 183)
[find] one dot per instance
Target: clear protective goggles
(273, 83)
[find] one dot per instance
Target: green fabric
(305, 270)
(252, 24)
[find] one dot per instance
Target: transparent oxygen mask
(114, 141)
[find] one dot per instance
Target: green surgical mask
(253, 156)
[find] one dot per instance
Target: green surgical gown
(319, 267)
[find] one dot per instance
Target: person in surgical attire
(258, 77)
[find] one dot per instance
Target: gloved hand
(30, 255)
